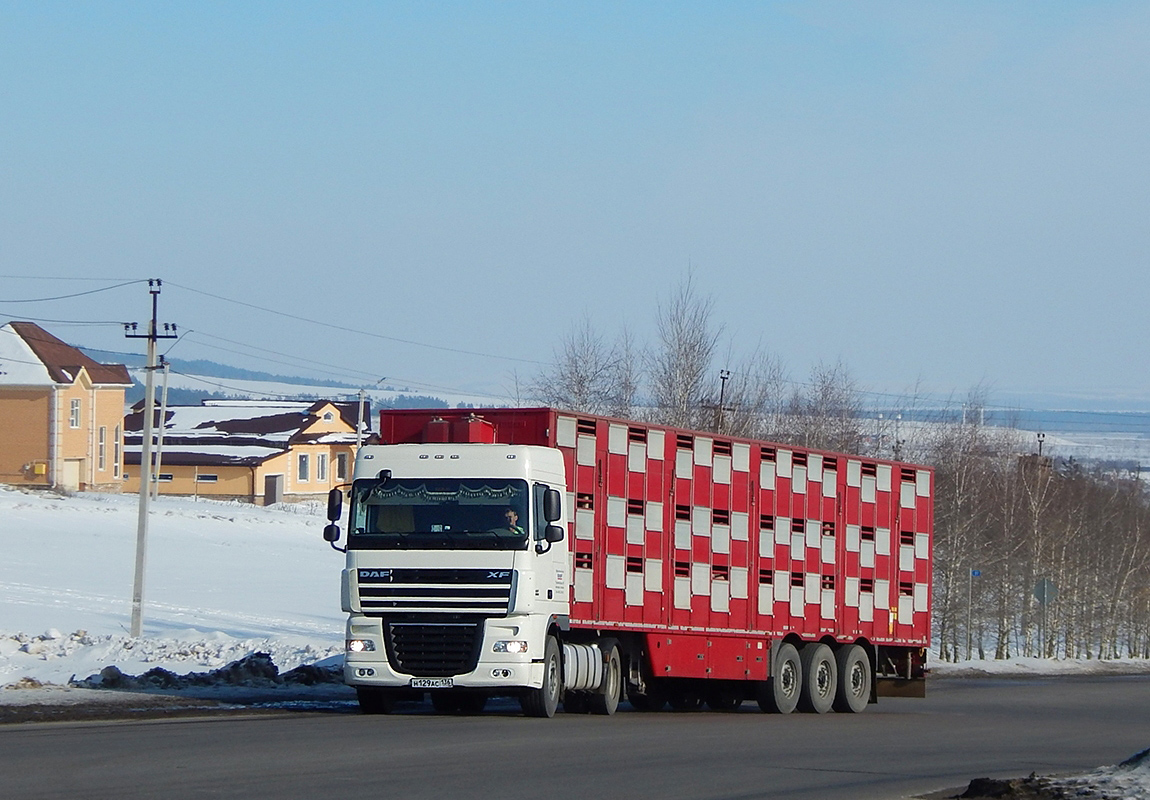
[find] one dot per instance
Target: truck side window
(538, 521)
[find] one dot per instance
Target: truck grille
(479, 592)
(434, 649)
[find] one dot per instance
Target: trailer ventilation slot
(585, 501)
(906, 537)
(586, 426)
(828, 529)
(683, 512)
(434, 650)
(828, 582)
(637, 434)
(768, 454)
(908, 475)
(869, 469)
(798, 579)
(799, 459)
(635, 564)
(798, 525)
(866, 585)
(722, 448)
(635, 507)
(682, 569)
(720, 573)
(906, 589)
(721, 517)
(684, 442)
(766, 577)
(831, 464)
(766, 522)
(582, 561)
(866, 533)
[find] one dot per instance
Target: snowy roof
(30, 356)
(243, 432)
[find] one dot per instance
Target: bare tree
(680, 365)
(589, 374)
(826, 413)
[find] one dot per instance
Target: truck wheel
(374, 701)
(543, 701)
(820, 678)
(607, 701)
(780, 694)
(854, 679)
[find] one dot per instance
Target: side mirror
(553, 533)
(331, 533)
(552, 506)
(334, 507)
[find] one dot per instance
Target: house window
(166, 477)
(203, 478)
(302, 473)
(74, 414)
(102, 449)
(321, 467)
(116, 453)
(341, 467)
(328, 416)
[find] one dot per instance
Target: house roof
(238, 432)
(30, 356)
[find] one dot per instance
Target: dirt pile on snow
(254, 671)
(1129, 780)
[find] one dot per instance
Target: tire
(653, 700)
(854, 684)
(607, 701)
(374, 701)
(820, 678)
(543, 701)
(780, 694)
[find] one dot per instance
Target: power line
(357, 331)
(77, 294)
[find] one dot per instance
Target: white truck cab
(456, 579)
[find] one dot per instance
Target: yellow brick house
(61, 413)
(262, 451)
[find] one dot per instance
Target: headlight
(510, 646)
(360, 645)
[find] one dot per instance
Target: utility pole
(152, 336)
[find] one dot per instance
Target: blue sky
(937, 193)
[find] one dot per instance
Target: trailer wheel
(854, 679)
(543, 701)
(820, 678)
(607, 701)
(724, 700)
(686, 701)
(780, 694)
(652, 700)
(374, 701)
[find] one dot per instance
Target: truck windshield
(440, 513)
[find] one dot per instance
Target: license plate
(432, 683)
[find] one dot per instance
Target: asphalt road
(902, 747)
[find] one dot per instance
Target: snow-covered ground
(226, 581)
(223, 580)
